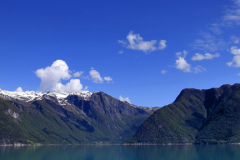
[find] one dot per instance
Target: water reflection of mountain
(118, 152)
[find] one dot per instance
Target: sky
(143, 52)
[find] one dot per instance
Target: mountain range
(60, 118)
(199, 116)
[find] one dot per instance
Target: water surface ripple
(118, 152)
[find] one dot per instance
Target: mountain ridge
(77, 118)
(196, 116)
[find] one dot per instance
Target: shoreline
(134, 144)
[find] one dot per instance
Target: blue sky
(144, 52)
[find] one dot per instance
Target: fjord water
(118, 152)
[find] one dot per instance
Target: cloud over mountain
(51, 77)
(73, 86)
(124, 99)
(19, 89)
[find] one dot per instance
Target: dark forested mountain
(196, 116)
(58, 118)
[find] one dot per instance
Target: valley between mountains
(196, 116)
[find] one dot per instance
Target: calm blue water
(118, 152)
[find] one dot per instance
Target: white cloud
(124, 99)
(233, 14)
(120, 52)
(85, 89)
(208, 43)
(235, 39)
(136, 42)
(162, 44)
(211, 56)
(86, 77)
(78, 74)
(198, 69)
(216, 28)
(51, 76)
(95, 75)
(231, 17)
(236, 59)
(19, 89)
(235, 50)
(122, 41)
(181, 63)
(178, 54)
(185, 53)
(199, 57)
(163, 71)
(108, 79)
(73, 86)
(235, 62)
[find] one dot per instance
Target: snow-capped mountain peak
(29, 96)
(22, 96)
(84, 94)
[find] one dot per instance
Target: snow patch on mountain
(22, 96)
(57, 95)
(85, 94)
(29, 96)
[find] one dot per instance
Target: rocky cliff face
(196, 116)
(67, 118)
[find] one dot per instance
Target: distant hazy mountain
(196, 116)
(59, 118)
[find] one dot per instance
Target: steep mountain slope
(201, 116)
(223, 121)
(176, 123)
(55, 118)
